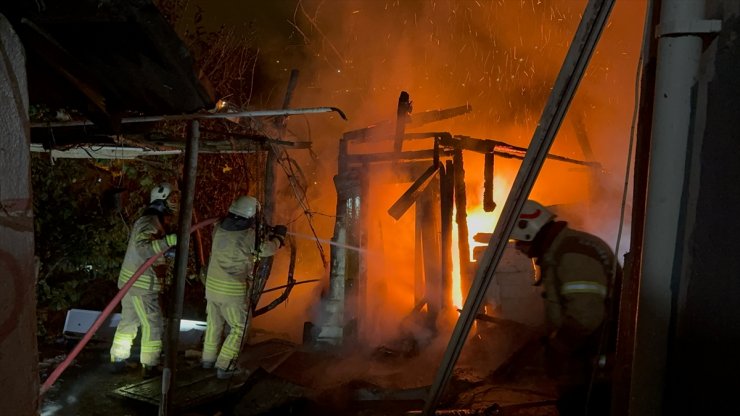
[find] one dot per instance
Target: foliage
(83, 211)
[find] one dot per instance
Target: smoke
(501, 57)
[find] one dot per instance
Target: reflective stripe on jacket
(147, 239)
(576, 274)
(232, 260)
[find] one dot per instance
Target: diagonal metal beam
(580, 51)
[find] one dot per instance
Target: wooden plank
(412, 194)
(420, 119)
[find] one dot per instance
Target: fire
(479, 221)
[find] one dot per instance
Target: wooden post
(344, 271)
(447, 187)
(461, 217)
(402, 112)
(418, 255)
(488, 203)
(430, 235)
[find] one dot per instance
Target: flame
(479, 221)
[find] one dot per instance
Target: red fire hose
(104, 315)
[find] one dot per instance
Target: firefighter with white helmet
(229, 277)
(140, 305)
(576, 270)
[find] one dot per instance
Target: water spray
(333, 243)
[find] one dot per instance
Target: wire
(302, 201)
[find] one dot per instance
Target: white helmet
(161, 191)
(245, 206)
(533, 217)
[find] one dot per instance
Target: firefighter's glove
(279, 232)
(171, 239)
(170, 253)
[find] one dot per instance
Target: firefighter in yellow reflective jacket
(576, 271)
(228, 280)
(140, 306)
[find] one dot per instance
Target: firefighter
(229, 278)
(576, 270)
(140, 306)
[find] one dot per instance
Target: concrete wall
(19, 380)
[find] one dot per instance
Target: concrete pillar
(19, 379)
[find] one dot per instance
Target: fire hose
(106, 312)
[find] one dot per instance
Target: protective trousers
(235, 314)
(139, 309)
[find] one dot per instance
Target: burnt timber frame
(434, 193)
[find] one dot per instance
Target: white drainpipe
(677, 71)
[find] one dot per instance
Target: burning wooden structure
(437, 192)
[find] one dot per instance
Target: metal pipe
(677, 70)
(580, 51)
(181, 269)
(185, 117)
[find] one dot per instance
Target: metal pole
(185, 117)
(181, 268)
(680, 44)
(580, 51)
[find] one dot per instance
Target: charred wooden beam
(406, 172)
(502, 149)
(461, 218)
(381, 131)
(430, 235)
(394, 157)
(488, 203)
(384, 130)
(418, 258)
(402, 115)
(447, 192)
(412, 194)
(420, 119)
